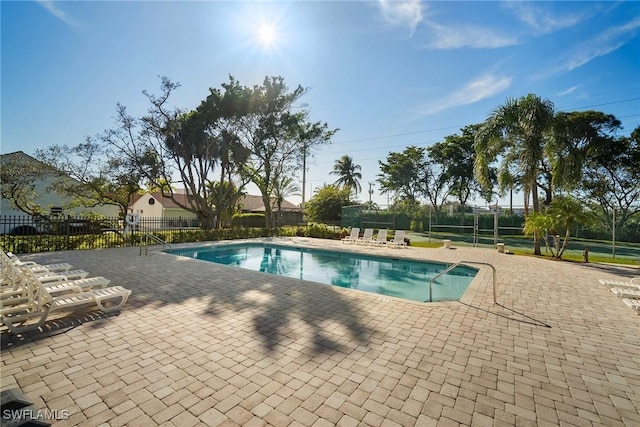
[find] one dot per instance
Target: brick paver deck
(204, 344)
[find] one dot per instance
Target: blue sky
(389, 74)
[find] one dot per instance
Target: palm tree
(348, 174)
(517, 132)
(283, 187)
(566, 212)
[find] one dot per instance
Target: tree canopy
(518, 132)
(255, 134)
(327, 202)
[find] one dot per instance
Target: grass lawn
(599, 251)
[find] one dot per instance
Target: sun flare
(266, 35)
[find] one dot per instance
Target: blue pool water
(385, 276)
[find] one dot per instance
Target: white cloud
(406, 13)
(541, 20)
(604, 43)
(52, 7)
(568, 91)
(472, 92)
(444, 37)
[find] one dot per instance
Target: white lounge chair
(626, 292)
(367, 236)
(381, 238)
(39, 268)
(55, 284)
(633, 303)
(28, 305)
(10, 268)
(35, 267)
(634, 282)
(353, 237)
(398, 239)
(71, 274)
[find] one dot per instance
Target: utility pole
(370, 192)
(304, 172)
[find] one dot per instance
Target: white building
(49, 201)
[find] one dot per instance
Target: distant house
(155, 205)
(290, 214)
(49, 201)
(254, 204)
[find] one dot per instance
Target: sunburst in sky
(266, 35)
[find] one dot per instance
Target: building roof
(165, 201)
(24, 157)
(251, 203)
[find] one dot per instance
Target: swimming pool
(385, 276)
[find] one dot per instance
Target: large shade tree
(412, 175)
(168, 145)
(517, 131)
(327, 202)
(18, 177)
(611, 181)
(402, 174)
(349, 175)
(98, 175)
(456, 155)
(277, 132)
(236, 135)
(221, 113)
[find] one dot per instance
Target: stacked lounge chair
(628, 290)
(27, 299)
(633, 303)
(634, 282)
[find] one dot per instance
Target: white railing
(451, 267)
(145, 242)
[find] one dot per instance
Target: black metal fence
(27, 234)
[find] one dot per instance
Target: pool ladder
(146, 237)
(451, 267)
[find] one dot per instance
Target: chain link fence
(488, 226)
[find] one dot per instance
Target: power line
(373, 138)
(418, 144)
(397, 134)
(604, 103)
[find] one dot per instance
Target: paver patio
(204, 344)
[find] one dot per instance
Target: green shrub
(248, 220)
(320, 231)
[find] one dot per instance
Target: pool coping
(468, 296)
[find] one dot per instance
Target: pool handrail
(156, 239)
(452, 266)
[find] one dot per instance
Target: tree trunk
(207, 222)
(536, 209)
(267, 211)
(511, 200)
(564, 244)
